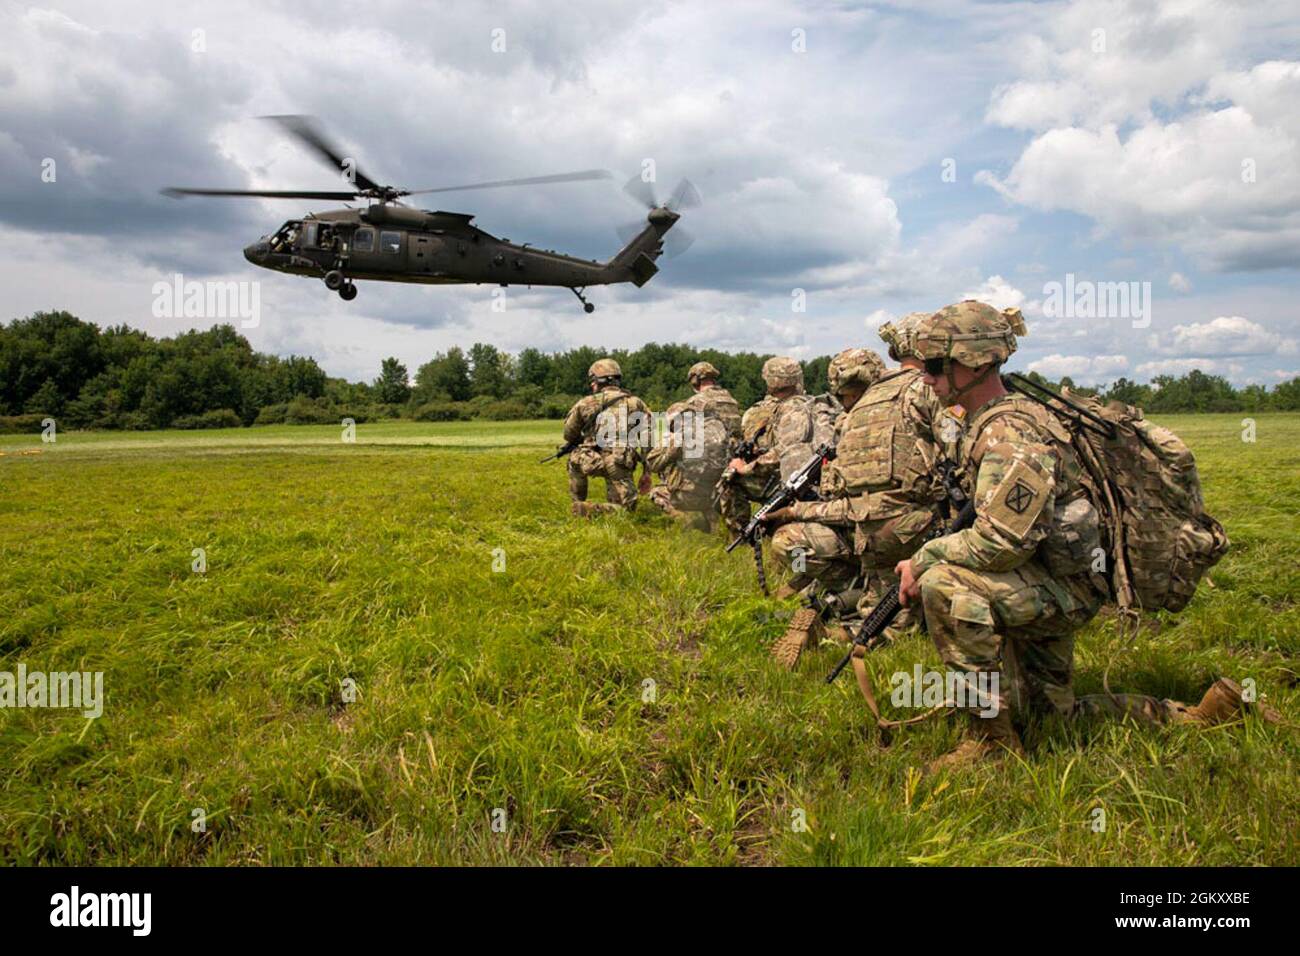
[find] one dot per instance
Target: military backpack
(1144, 482)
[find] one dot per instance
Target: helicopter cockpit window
(363, 241)
(284, 236)
(390, 241)
(309, 234)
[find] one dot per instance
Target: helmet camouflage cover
(970, 333)
(897, 335)
(604, 368)
(860, 367)
(782, 372)
(700, 371)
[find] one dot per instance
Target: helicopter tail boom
(635, 262)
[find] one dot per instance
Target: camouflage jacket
(888, 446)
(1030, 500)
(837, 507)
(717, 401)
(710, 402)
(612, 419)
(755, 417)
(668, 452)
(694, 449)
(796, 427)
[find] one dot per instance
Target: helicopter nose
(256, 251)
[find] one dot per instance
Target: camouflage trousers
(875, 582)
(1021, 624)
(690, 506)
(620, 486)
(882, 543)
(815, 552)
(733, 502)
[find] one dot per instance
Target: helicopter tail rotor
(665, 214)
(684, 195)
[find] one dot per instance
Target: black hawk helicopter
(389, 241)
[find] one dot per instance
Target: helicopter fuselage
(399, 244)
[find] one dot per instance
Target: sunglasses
(934, 366)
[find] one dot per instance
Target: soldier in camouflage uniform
(893, 438)
(611, 429)
(734, 491)
(792, 427)
(1006, 596)
(815, 538)
(819, 534)
(694, 452)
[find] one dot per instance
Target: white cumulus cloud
(1225, 335)
(999, 293)
(1153, 132)
(1081, 368)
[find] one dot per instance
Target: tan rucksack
(1145, 484)
(703, 465)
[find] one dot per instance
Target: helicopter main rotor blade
(177, 192)
(582, 176)
(642, 191)
(307, 130)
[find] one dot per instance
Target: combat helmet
(854, 367)
(783, 372)
(970, 333)
(604, 369)
(897, 335)
(700, 371)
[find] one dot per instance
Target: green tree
(489, 370)
(1285, 396)
(444, 377)
(533, 367)
(392, 387)
(1129, 393)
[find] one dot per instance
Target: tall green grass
(527, 690)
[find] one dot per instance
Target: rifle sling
(869, 695)
(591, 429)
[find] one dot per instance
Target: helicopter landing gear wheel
(347, 292)
(334, 280)
(586, 306)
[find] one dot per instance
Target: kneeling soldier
(694, 453)
(815, 538)
(1004, 598)
(610, 429)
(786, 426)
(896, 434)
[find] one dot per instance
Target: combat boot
(1224, 702)
(794, 586)
(989, 738)
(839, 633)
(805, 631)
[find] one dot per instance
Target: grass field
(519, 697)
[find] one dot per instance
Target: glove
(779, 516)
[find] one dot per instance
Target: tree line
(53, 364)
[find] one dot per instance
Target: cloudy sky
(882, 157)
